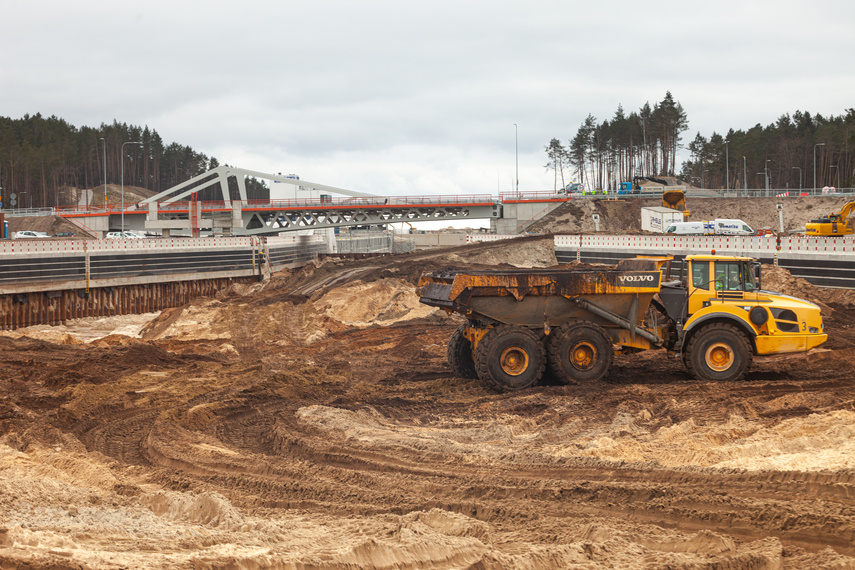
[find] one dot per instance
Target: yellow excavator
(676, 200)
(834, 224)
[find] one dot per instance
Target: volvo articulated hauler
(712, 313)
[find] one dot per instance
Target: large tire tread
(579, 330)
(723, 332)
(459, 354)
(485, 357)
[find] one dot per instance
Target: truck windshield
(748, 272)
(734, 276)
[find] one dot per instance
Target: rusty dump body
(614, 298)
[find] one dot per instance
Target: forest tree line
(645, 143)
(40, 156)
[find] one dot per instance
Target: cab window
(728, 276)
(750, 282)
(701, 274)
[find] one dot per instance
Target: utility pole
(517, 156)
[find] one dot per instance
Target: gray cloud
(405, 97)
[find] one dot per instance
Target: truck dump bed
(537, 297)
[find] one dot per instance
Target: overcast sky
(402, 97)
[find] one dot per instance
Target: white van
(689, 229)
(732, 228)
(719, 227)
(127, 234)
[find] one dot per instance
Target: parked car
(127, 234)
(30, 234)
(64, 234)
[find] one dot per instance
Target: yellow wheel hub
(719, 356)
(583, 355)
(514, 361)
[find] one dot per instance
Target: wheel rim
(719, 356)
(583, 356)
(514, 361)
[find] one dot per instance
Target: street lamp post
(814, 164)
(745, 176)
(726, 166)
(123, 181)
(517, 156)
(105, 174)
(766, 170)
(800, 177)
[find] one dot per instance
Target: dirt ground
(311, 421)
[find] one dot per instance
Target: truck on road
(712, 313)
(718, 227)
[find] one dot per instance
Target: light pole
(838, 174)
(814, 164)
(726, 166)
(517, 156)
(105, 173)
(766, 170)
(745, 176)
(800, 177)
(123, 182)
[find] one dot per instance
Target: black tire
(460, 355)
(580, 352)
(510, 358)
(719, 351)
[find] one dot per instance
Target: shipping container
(656, 219)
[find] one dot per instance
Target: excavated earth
(311, 421)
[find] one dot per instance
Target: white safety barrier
(705, 244)
(48, 265)
(823, 261)
(147, 244)
(473, 238)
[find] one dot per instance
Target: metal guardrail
(373, 242)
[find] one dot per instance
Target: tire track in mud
(369, 481)
(370, 423)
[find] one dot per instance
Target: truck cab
(727, 289)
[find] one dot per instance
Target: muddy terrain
(311, 421)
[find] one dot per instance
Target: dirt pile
(624, 216)
(312, 421)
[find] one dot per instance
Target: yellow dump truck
(710, 310)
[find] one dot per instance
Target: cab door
(734, 280)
